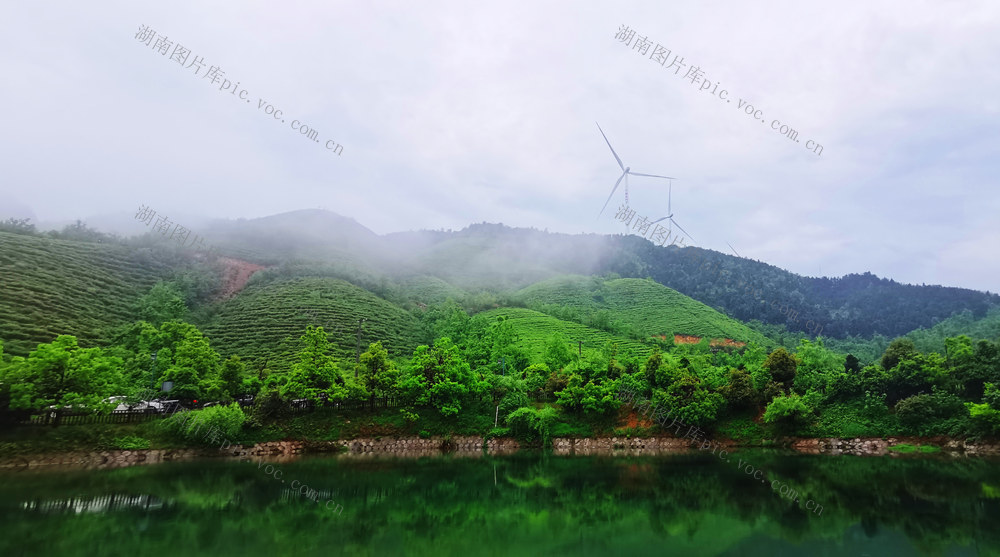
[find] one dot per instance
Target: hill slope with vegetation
(264, 322)
(640, 306)
(53, 286)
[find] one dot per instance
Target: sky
(452, 113)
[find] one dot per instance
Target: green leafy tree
(653, 364)
(164, 302)
(232, 376)
(316, 373)
(378, 374)
(690, 400)
(557, 352)
(590, 397)
(898, 350)
(62, 374)
(739, 391)
(817, 365)
(440, 377)
(781, 365)
(531, 425)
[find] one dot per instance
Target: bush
(511, 402)
(529, 425)
(739, 391)
(935, 414)
(211, 425)
(787, 412)
(131, 443)
(268, 406)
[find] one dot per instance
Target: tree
(739, 391)
(653, 364)
(781, 365)
(18, 226)
(315, 375)
(557, 352)
(438, 376)
(898, 349)
(62, 374)
(852, 364)
(232, 376)
(689, 400)
(817, 365)
(378, 373)
(163, 302)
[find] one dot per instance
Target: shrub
(935, 414)
(211, 425)
(131, 443)
(787, 411)
(529, 425)
(511, 402)
(268, 406)
(739, 391)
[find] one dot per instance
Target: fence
(58, 417)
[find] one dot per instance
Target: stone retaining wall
(276, 451)
(624, 445)
(473, 447)
(877, 446)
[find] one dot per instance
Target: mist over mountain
(500, 258)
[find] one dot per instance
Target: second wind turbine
(626, 170)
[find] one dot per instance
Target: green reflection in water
(528, 504)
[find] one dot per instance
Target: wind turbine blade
(682, 230)
(670, 190)
(734, 249)
(658, 220)
(612, 194)
(610, 147)
(650, 175)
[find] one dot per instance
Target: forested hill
(493, 255)
(503, 259)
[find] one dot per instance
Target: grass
(649, 307)
(905, 448)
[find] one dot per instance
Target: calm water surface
(528, 504)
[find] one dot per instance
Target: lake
(526, 504)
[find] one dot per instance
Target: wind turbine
(625, 172)
(670, 214)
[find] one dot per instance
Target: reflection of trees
(548, 504)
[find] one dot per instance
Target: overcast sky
(450, 113)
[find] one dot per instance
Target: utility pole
(358, 357)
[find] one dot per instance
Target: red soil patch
(236, 275)
(691, 339)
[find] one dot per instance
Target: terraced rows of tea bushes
(648, 306)
(51, 287)
(534, 330)
(430, 290)
(266, 320)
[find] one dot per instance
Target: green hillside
(52, 287)
(266, 320)
(649, 307)
(534, 329)
(430, 290)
